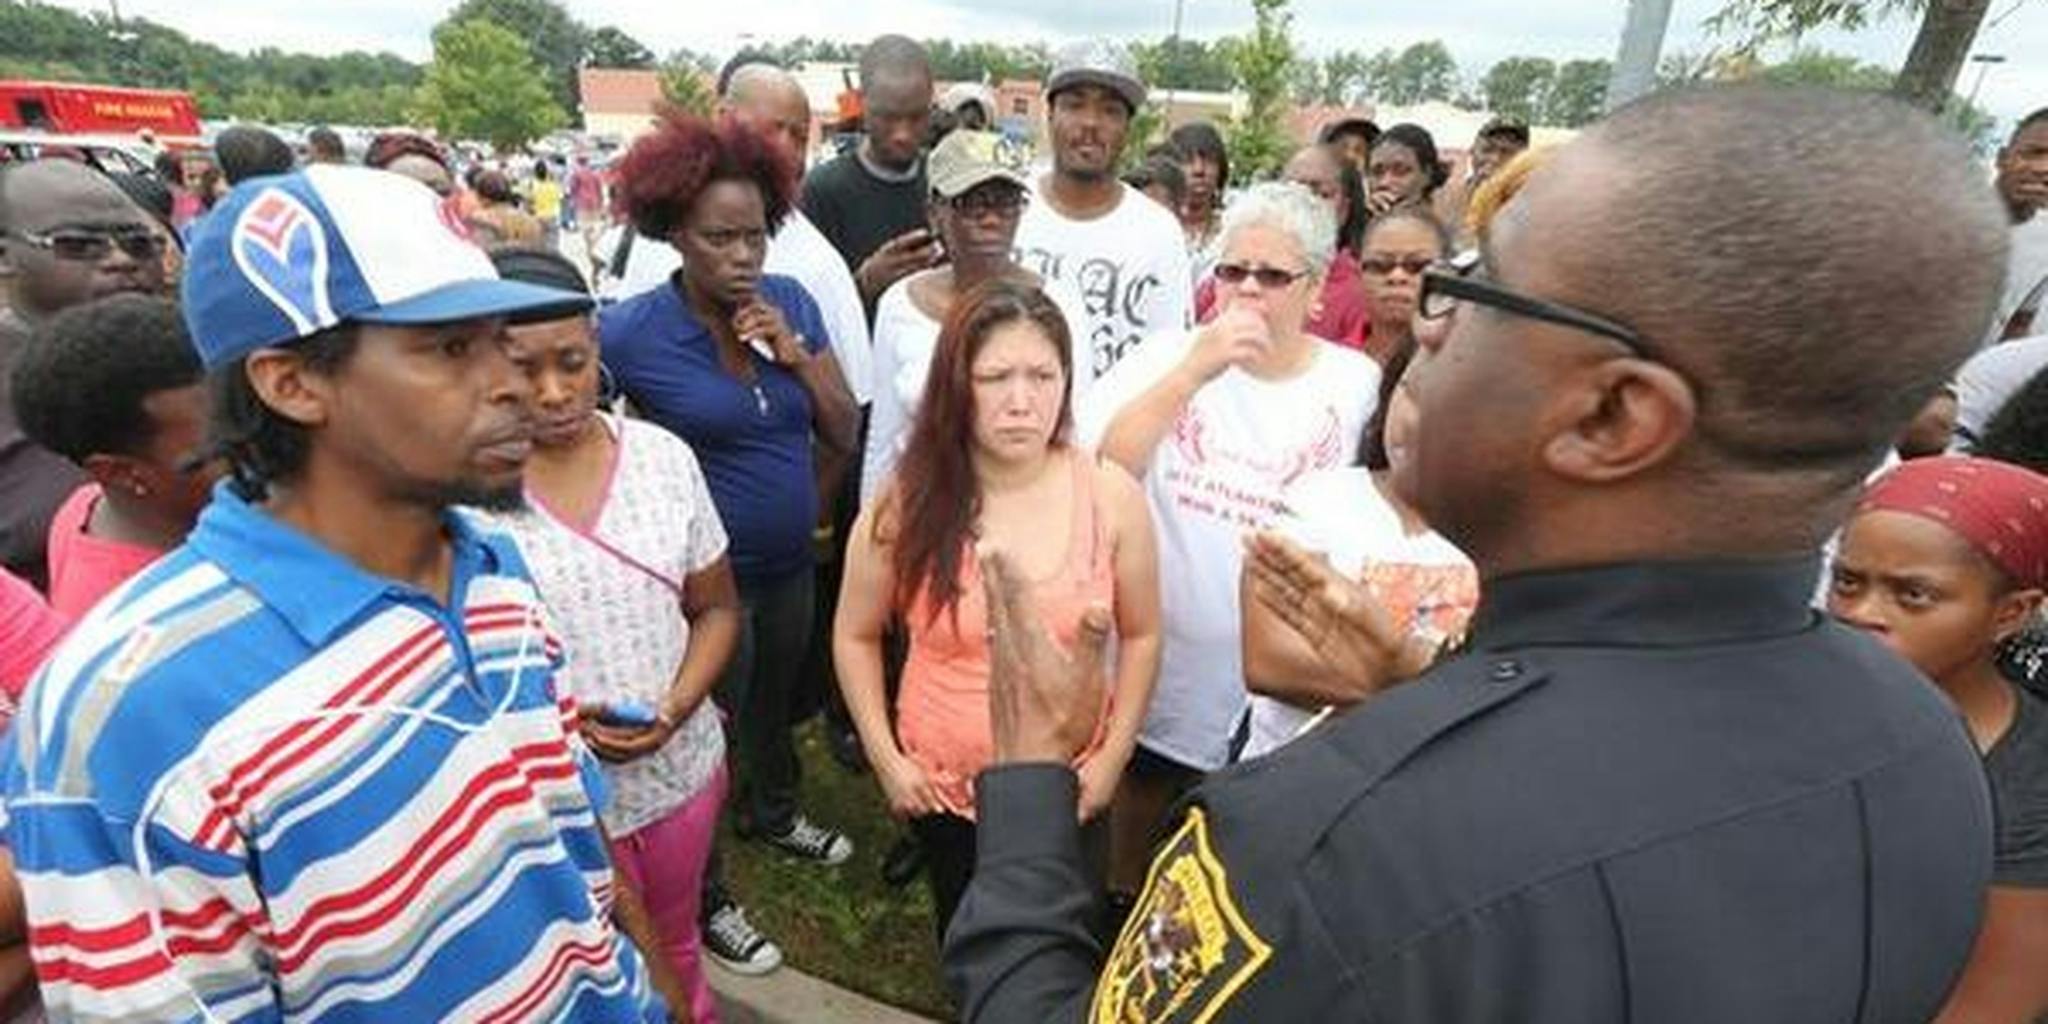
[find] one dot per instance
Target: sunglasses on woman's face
(1269, 278)
(1381, 266)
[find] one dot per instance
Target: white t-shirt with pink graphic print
(1221, 472)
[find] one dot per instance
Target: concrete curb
(789, 996)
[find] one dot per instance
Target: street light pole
(1173, 60)
(1983, 62)
(122, 64)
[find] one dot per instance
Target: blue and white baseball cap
(286, 257)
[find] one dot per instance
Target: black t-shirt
(2018, 768)
(857, 211)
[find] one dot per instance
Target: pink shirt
(85, 568)
(942, 716)
(586, 189)
(28, 631)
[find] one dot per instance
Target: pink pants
(664, 862)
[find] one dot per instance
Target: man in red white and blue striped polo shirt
(311, 765)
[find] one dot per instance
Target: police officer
(1656, 786)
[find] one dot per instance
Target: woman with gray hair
(1216, 423)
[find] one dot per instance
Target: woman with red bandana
(1945, 562)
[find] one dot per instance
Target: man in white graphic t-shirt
(1084, 228)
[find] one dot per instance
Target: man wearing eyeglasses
(1654, 785)
(67, 236)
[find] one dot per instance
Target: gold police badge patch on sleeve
(1185, 950)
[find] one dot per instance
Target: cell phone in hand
(627, 714)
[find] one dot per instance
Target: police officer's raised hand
(1337, 618)
(1044, 703)
(1237, 336)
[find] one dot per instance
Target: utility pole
(124, 67)
(1173, 60)
(1983, 62)
(1642, 41)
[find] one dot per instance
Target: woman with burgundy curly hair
(989, 462)
(737, 363)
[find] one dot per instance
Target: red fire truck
(69, 108)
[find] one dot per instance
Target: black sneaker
(812, 841)
(732, 941)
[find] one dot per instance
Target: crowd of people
(1391, 591)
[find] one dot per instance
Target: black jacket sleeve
(1020, 948)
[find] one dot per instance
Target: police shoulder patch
(1186, 949)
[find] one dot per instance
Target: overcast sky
(1478, 32)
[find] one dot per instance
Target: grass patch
(843, 924)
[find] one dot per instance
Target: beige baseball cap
(965, 159)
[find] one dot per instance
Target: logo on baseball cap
(965, 159)
(286, 257)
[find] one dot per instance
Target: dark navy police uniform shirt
(755, 448)
(1657, 793)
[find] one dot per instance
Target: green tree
(1185, 64)
(1841, 71)
(688, 84)
(1338, 79)
(484, 84)
(1258, 141)
(1834, 70)
(611, 47)
(42, 41)
(1148, 128)
(1422, 72)
(1577, 94)
(1679, 69)
(1517, 87)
(1947, 30)
(545, 30)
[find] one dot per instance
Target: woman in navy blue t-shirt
(738, 364)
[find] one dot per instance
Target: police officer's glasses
(88, 246)
(1452, 282)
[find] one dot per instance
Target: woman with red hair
(737, 363)
(1945, 562)
(989, 462)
